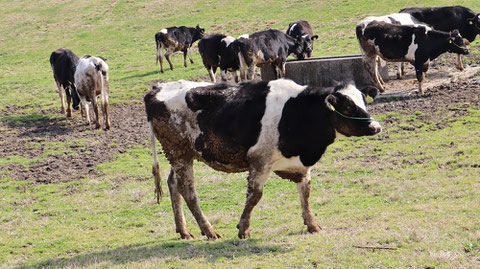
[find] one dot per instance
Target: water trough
(325, 71)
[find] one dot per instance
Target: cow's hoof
(213, 235)
(244, 235)
(191, 61)
(314, 229)
(107, 126)
(98, 126)
(69, 114)
(187, 235)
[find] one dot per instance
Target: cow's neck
(438, 45)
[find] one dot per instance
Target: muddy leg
(190, 55)
(95, 110)
(184, 176)
(185, 58)
(303, 189)
(420, 77)
(256, 181)
(167, 56)
(61, 94)
(176, 198)
(211, 74)
(69, 101)
(460, 62)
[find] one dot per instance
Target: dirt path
(67, 149)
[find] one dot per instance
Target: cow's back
(64, 62)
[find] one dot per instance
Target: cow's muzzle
(374, 127)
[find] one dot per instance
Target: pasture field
(72, 196)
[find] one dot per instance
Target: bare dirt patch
(79, 148)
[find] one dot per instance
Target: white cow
(91, 78)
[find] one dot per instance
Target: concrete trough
(325, 71)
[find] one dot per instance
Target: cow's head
(199, 32)
(349, 114)
(475, 22)
(456, 44)
(303, 47)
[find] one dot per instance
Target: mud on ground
(79, 148)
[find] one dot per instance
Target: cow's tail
(155, 167)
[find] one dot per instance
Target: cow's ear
(104, 59)
(331, 102)
(314, 37)
(370, 91)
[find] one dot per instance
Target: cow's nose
(375, 127)
(466, 51)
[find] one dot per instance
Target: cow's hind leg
(369, 65)
(185, 52)
(256, 181)
(61, 94)
(190, 55)
(97, 114)
(184, 177)
(69, 101)
(303, 188)
(176, 198)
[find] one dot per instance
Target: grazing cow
(270, 47)
(216, 51)
(448, 19)
(91, 78)
(64, 62)
(398, 19)
(302, 28)
(405, 43)
(260, 127)
(175, 39)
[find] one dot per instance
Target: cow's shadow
(38, 125)
(174, 249)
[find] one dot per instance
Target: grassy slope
(430, 214)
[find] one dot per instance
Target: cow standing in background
(304, 29)
(64, 63)
(398, 19)
(173, 39)
(270, 47)
(449, 19)
(217, 51)
(405, 43)
(91, 78)
(260, 127)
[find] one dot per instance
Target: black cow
(64, 63)
(405, 43)
(302, 28)
(217, 51)
(260, 127)
(270, 47)
(448, 19)
(175, 39)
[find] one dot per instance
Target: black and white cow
(217, 52)
(174, 39)
(64, 63)
(260, 127)
(270, 47)
(302, 28)
(448, 19)
(91, 78)
(394, 18)
(405, 43)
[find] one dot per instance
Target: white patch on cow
(281, 91)
(291, 29)
(355, 95)
(412, 49)
(304, 36)
(246, 36)
(228, 40)
(402, 18)
(260, 55)
(173, 93)
(164, 31)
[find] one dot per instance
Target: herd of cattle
(263, 126)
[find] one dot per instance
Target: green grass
(413, 187)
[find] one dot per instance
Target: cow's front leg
(459, 62)
(256, 181)
(420, 77)
(176, 199)
(303, 189)
(184, 177)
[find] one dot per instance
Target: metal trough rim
(340, 57)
